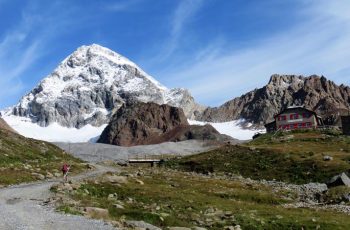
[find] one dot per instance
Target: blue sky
(218, 49)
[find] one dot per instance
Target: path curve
(21, 207)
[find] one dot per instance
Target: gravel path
(94, 152)
(22, 207)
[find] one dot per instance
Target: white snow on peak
(107, 54)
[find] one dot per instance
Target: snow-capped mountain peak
(102, 58)
(89, 85)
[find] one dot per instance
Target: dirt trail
(22, 207)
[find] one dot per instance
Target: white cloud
(16, 57)
(318, 45)
(185, 10)
(23, 45)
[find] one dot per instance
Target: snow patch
(53, 132)
(231, 128)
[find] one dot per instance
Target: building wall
(296, 119)
(345, 121)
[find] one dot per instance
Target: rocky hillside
(24, 159)
(5, 126)
(149, 123)
(90, 85)
(260, 105)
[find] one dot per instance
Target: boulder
(141, 224)
(339, 180)
(327, 158)
(99, 213)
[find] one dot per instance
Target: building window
(294, 116)
(306, 115)
(282, 118)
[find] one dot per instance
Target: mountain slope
(260, 105)
(91, 84)
(24, 159)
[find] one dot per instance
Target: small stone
(279, 216)
(164, 214)
(118, 206)
(141, 224)
(179, 228)
(327, 158)
(229, 228)
(75, 186)
(57, 174)
(49, 175)
(198, 228)
(228, 213)
(96, 212)
(140, 182)
(41, 177)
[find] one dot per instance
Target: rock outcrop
(5, 126)
(260, 105)
(140, 123)
(90, 85)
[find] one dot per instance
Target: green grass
(20, 157)
(336, 195)
(295, 157)
(68, 209)
(172, 198)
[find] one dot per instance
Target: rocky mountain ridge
(149, 123)
(260, 105)
(90, 85)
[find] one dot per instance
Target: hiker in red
(65, 170)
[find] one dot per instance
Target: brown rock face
(140, 123)
(260, 105)
(5, 126)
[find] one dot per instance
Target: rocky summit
(149, 123)
(90, 85)
(260, 105)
